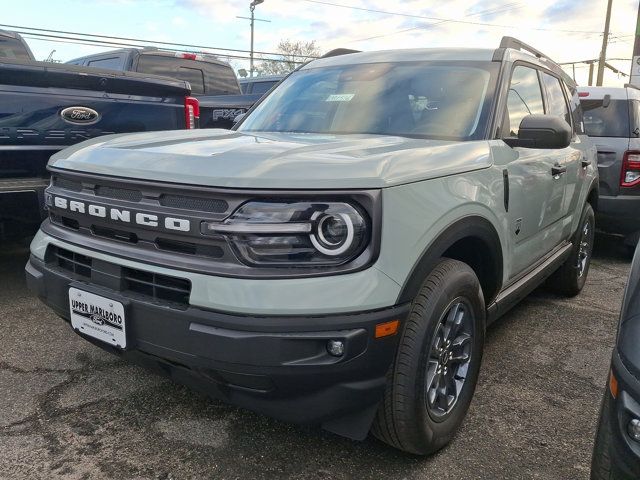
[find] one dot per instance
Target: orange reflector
(387, 328)
(613, 385)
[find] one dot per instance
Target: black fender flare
(467, 227)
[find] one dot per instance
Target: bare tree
(290, 54)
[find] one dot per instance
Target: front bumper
(274, 365)
(624, 451)
(619, 214)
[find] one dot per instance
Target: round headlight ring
(320, 242)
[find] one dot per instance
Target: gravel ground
(69, 410)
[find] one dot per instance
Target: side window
(262, 87)
(525, 98)
(556, 103)
(110, 63)
(576, 108)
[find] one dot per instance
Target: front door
(536, 178)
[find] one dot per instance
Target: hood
(224, 158)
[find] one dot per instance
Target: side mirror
(542, 131)
(238, 118)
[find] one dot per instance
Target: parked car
(336, 259)
(212, 81)
(616, 454)
(612, 120)
(45, 107)
(259, 85)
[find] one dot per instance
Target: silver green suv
(337, 258)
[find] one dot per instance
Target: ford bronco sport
(337, 258)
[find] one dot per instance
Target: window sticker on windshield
(342, 97)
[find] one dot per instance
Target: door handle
(585, 162)
(558, 170)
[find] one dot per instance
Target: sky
(565, 30)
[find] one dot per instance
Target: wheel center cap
(444, 357)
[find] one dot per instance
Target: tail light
(191, 112)
(630, 175)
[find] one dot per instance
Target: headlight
(295, 233)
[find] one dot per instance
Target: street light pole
(252, 7)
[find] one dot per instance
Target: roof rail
(514, 43)
(511, 42)
(339, 51)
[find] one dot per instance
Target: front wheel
(570, 278)
(436, 368)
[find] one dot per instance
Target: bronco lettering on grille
(121, 215)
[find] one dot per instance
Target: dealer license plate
(98, 317)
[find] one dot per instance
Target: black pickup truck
(212, 80)
(45, 107)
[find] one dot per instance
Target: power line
(453, 20)
(105, 43)
(489, 11)
(157, 42)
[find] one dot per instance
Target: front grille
(119, 193)
(114, 227)
(161, 288)
(72, 261)
(67, 184)
(157, 286)
(213, 205)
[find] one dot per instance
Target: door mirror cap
(542, 131)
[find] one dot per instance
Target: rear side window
(525, 98)
(13, 49)
(110, 63)
(609, 121)
(556, 103)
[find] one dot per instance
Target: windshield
(442, 100)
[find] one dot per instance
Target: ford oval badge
(80, 115)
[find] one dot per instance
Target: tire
(601, 461)
(570, 278)
(411, 417)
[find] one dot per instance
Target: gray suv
(337, 258)
(612, 120)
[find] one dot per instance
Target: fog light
(634, 429)
(335, 348)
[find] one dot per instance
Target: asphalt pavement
(69, 410)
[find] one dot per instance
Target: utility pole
(252, 7)
(605, 39)
(590, 73)
(635, 62)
